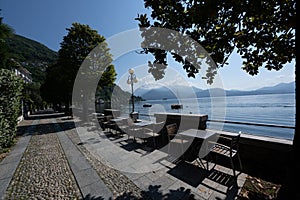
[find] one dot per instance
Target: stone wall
(183, 121)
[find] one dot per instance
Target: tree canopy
(5, 32)
(262, 32)
(75, 50)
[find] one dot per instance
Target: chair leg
(232, 166)
(208, 159)
(240, 162)
(199, 161)
(117, 131)
(154, 143)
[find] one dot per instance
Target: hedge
(10, 104)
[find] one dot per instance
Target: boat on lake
(147, 105)
(176, 106)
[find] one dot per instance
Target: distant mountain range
(173, 92)
(36, 57)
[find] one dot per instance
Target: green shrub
(10, 104)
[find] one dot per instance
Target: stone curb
(10, 163)
(90, 184)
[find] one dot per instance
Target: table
(143, 123)
(117, 120)
(96, 117)
(97, 114)
(202, 136)
(196, 133)
(137, 129)
(114, 112)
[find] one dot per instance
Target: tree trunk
(289, 189)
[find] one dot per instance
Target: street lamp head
(131, 71)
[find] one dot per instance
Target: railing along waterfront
(235, 122)
(279, 131)
(252, 124)
(241, 123)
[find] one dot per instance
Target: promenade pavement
(45, 164)
(54, 160)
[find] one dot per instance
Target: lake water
(277, 109)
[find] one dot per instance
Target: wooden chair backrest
(171, 129)
(108, 118)
(234, 144)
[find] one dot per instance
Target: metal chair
(153, 131)
(173, 138)
(132, 129)
(227, 147)
(107, 123)
(122, 127)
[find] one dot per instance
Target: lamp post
(132, 79)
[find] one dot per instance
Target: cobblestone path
(43, 172)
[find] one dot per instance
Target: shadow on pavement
(89, 197)
(155, 193)
(46, 127)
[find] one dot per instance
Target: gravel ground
(43, 172)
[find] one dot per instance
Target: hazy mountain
(191, 92)
(141, 91)
(212, 92)
(158, 93)
(281, 88)
(170, 92)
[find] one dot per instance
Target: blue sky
(46, 22)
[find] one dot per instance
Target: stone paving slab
(90, 184)
(158, 178)
(96, 157)
(121, 186)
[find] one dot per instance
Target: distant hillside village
(29, 57)
(21, 72)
